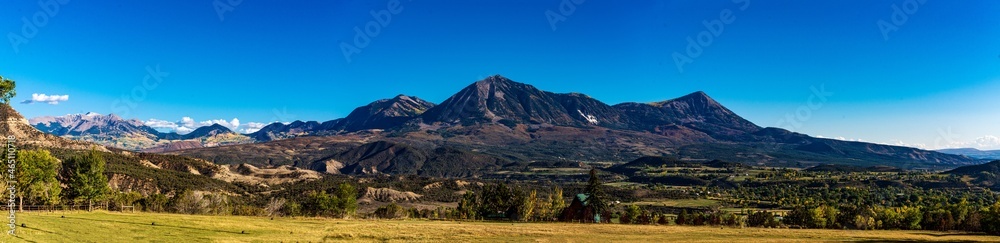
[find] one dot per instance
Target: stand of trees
(499, 201)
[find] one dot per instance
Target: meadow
(103, 226)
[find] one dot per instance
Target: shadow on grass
(943, 234)
(933, 234)
(879, 241)
(46, 231)
(157, 225)
(19, 237)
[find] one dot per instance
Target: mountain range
(114, 131)
(974, 153)
(499, 122)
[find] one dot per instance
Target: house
(580, 211)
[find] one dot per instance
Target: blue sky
(931, 82)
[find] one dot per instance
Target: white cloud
(49, 99)
(232, 125)
(184, 130)
(187, 122)
(849, 139)
(252, 127)
(988, 142)
(897, 142)
(155, 123)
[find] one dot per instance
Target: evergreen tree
(595, 194)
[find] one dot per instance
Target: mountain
(381, 114)
(501, 118)
(987, 174)
(697, 111)
(384, 114)
(26, 135)
(498, 99)
(972, 152)
(974, 170)
(112, 130)
(201, 132)
(278, 131)
(91, 124)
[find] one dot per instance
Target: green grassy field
(138, 227)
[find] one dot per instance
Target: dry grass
(124, 227)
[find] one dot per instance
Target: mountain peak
(495, 80)
(384, 113)
(698, 97)
(697, 94)
(16, 125)
(498, 98)
(217, 126)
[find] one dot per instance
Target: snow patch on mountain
(590, 118)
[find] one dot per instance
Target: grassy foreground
(138, 227)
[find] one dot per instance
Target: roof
(582, 198)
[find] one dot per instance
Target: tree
(558, 202)
(122, 199)
(155, 202)
(498, 200)
(543, 209)
(36, 177)
(468, 206)
(342, 203)
(662, 219)
(390, 211)
(86, 177)
(7, 91)
(631, 215)
(595, 194)
(188, 202)
(800, 216)
(762, 219)
(683, 218)
(991, 219)
(526, 207)
(274, 206)
(293, 209)
(347, 199)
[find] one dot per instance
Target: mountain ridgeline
(511, 122)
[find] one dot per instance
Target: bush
(390, 211)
